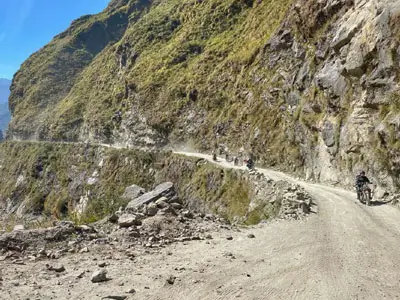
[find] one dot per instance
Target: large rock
(165, 189)
(328, 134)
(329, 77)
(132, 192)
(22, 239)
(127, 220)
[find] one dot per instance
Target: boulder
(328, 134)
(162, 202)
(152, 209)
(39, 238)
(132, 192)
(166, 189)
(128, 220)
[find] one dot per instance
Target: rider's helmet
(362, 173)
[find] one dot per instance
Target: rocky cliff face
(308, 86)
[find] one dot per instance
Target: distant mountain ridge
(4, 90)
(4, 112)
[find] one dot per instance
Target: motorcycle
(364, 193)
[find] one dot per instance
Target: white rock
(99, 276)
(19, 227)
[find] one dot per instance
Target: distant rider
(214, 155)
(361, 179)
(250, 164)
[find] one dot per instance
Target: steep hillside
(4, 112)
(85, 183)
(309, 86)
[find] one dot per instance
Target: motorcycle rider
(361, 179)
(250, 164)
(214, 155)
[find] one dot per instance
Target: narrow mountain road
(346, 251)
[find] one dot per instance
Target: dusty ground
(346, 251)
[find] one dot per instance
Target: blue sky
(27, 25)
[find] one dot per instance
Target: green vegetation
(54, 176)
(51, 179)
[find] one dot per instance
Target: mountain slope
(308, 86)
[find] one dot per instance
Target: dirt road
(346, 251)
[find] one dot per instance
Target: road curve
(347, 251)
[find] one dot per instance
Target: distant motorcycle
(250, 164)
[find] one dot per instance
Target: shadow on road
(379, 203)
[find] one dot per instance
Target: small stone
(229, 238)
(19, 227)
(171, 279)
(131, 291)
(187, 214)
(113, 218)
(84, 250)
(152, 209)
(14, 283)
(251, 236)
(115, 297)
(57, 269)
(229, 255)
(99, 276)
(177, 206)
(102, 264)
